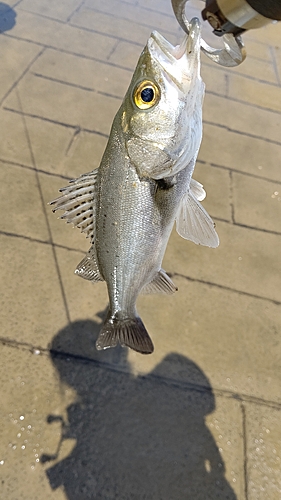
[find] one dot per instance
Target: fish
(129, 204)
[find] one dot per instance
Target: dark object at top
(7, 17)
(236, 16)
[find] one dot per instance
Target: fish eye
(146, 94)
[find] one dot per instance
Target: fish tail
(129, 332)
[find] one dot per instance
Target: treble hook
(233, 52)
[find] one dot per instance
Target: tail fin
(129, 332)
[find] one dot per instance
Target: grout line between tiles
(231, 200)
(75, 11)
(35, 240)
(21, 76)
(240, 172)
(241, 397)
(272, 53)
(245, 450)
(224, 287)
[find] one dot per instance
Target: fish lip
(190, 44)
(181, 62)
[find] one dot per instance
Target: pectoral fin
(79, 202)
(194, 223)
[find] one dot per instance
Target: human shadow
(7, 17)
(137, 437)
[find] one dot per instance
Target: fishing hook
(233, 52)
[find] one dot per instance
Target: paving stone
(216, 183)
(269, 34)
(257, 49)
(125, 54)
(258, 70)
(252, 68)
(22, 211)
(14, 143)
(52, 8)
(263, 426)
(58, 35)
(242, 118)
(158, 6)
(64, 104)
(156, 432)
(68, 153)
(240, 152)
(9, 3)
(257, 202)
(227, 334)
(25, 433)
(84, 154)
(83, 72)
(122, 425)
(133, 2)
(119, 9)
(276, 54)
(58, 140)
(15, 57)
(103, 23)
(32, 306)
(256, 93)
(229, 440)
(251, 260)
(215, 80)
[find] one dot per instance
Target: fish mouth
(182, 62)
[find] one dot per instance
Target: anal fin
(88, 268)
(160, 284)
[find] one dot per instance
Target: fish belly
(135, 217)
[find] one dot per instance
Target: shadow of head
(7, 17)
(136, 436)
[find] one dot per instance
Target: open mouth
(181, 63)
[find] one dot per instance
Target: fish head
(162, 110)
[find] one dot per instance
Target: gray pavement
(200, 418)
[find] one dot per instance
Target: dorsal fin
(161, 283)
(79, 203)
(194, 223)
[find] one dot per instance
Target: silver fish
(128, 205)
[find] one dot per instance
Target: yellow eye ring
(146, 94)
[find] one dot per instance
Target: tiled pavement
(200, 418)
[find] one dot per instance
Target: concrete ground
(200, 419)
